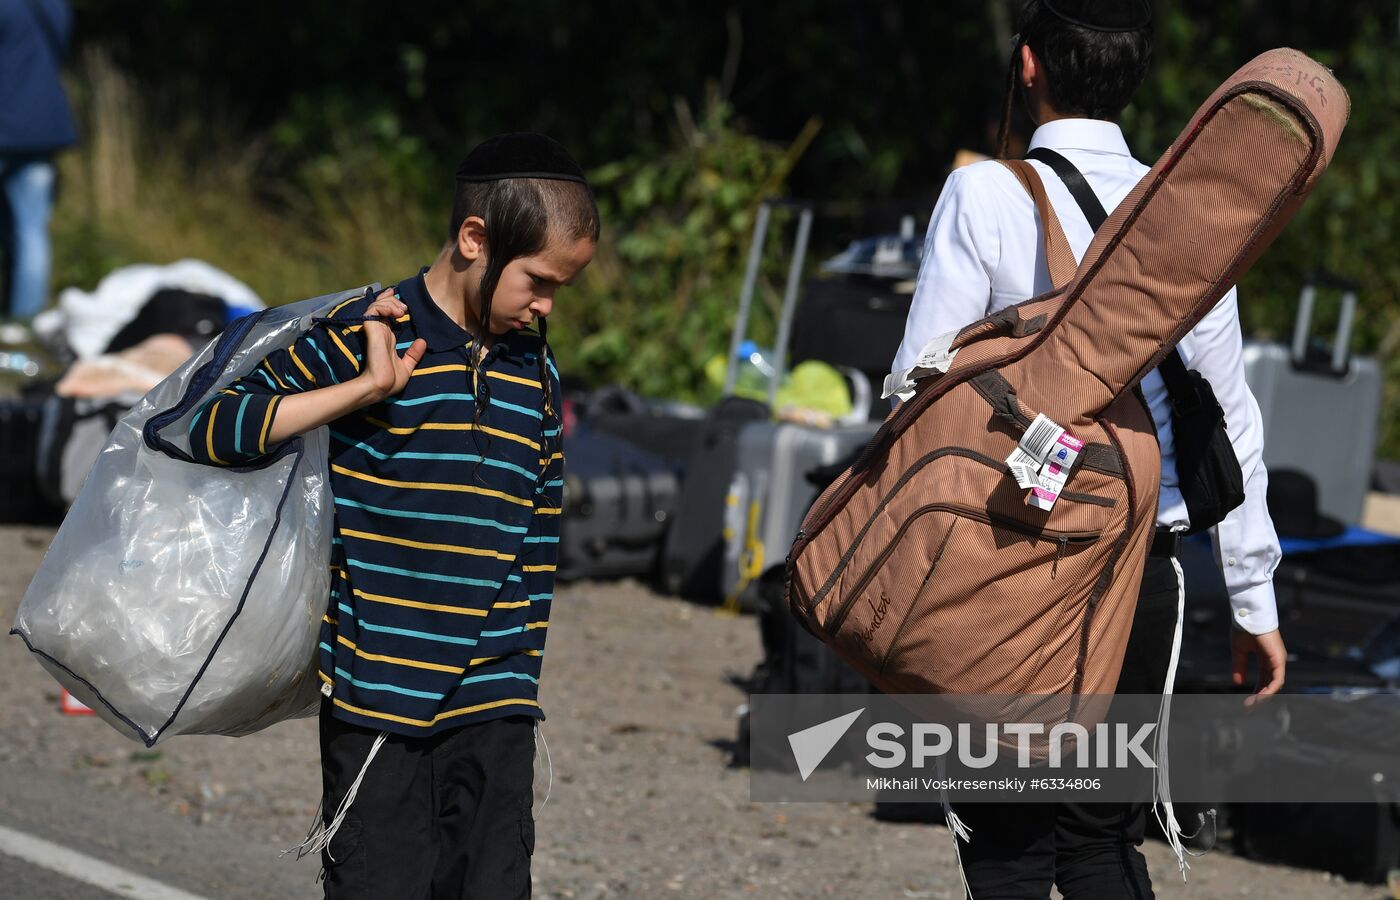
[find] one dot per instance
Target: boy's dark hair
(1091, 72)
(521, 216)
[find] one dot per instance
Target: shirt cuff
(1253, 609)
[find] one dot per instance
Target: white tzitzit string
(1161, 782)
(955, 825)
(549, 761)
(320, 835)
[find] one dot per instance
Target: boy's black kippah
(1103, 15)
(520, 154)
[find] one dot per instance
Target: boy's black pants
(442, 817)
(1088, 850)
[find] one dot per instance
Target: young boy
(1077, 64)
(447, 479)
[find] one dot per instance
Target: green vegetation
(310, 153)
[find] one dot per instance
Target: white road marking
(80, 867)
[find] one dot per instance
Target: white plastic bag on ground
(89, 321)
(181, 598)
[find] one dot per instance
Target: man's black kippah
(520, 154)
(1103, 15)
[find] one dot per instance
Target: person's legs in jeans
(28, 184)
(1096, 844)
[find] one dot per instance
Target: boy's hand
(386, 373)
(1272, 659)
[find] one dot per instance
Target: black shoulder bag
(1207, 469)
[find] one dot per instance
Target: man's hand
(1272, 658)
(386, 373)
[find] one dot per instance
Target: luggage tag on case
(1042, 461)
(934, 359)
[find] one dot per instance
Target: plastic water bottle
(20, 363)
(755, 372)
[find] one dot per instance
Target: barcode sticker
(936, 353)
(1042, 461)
(1040, 437)
(1024, 468)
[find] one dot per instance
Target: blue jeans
(28, 183)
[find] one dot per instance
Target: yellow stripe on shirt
(398, 660)
(431, 486)
(466, 710)
(445, 548)
(267, 424)
(418, 604)
(335, 339)
(438, 370)
(538, 568)
(514, 379)
(209, 434)
(280, 383)
(453, 426)
(343, 304)
(292, 352)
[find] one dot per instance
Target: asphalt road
(125, 831)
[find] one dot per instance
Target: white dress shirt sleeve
(1246, 545)
(954, 287)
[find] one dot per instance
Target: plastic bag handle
(203, 379)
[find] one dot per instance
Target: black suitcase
(618, 502)
(655, 426)
(853, 322)
(1337, 602)
(20, 498)
(692, 563)
(1333, 604)
(794, 662)
(1359, 841)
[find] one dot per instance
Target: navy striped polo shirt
(447, 512)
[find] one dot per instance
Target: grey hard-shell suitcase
(1320, 404)
(618, 502)
(770, 494)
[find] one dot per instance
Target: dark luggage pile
(1338, 595)
(725, 489)
(51, 433)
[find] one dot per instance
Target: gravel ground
(640, 700)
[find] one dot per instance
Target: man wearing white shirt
(1077, 64)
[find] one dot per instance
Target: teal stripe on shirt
(238, 425)
(407, 632)
(429, 576)
(534, 413)
(435, 517)
(450, 457)
(325, 362)
(392, 688)
(431, 398)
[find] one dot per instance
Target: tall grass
(140, 190)
(657, 303)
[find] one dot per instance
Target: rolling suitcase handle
(741, 320)
(1302, 326)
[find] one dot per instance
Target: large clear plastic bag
(180, 598)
